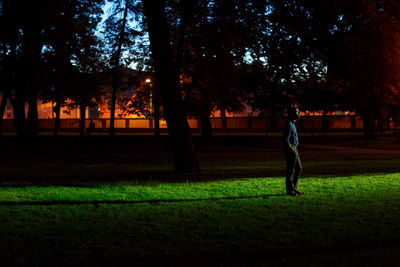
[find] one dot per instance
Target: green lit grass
(248, 220)
(256, 187)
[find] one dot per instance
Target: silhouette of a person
(291, 141)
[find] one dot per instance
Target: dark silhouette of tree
(294, 45)
(88, 62)
(219, 36)
(57, 66)
(9, 39)
(87, 92)
(32, 46)
(167, 80)
(121, 37)
(364, 59)
(45, 41)
(116, 59)
(341, 54)
(21, 48)
(264, 96)
(327, 55)
(11, 46)
(139, 102)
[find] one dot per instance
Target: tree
(120, 36)
(51, 32)
(88, 62)
(21, 48)
(9, 38)
(364, 59)
(167, 80)
(87, 93)
(32, 25)
(353, 43)
(139, 102)
(59, 35)
(220, 36)
(264, 96)
(293, 45)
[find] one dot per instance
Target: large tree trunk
(369, 126)
(206, 128)
(268, 120)
(32, 51)
(2, 70)
(2, 109)
(313, 124)
(57, 110)
(113, 102)
(13, 70)
(223, 117)
(32, 113)
(184, 156)
(156, 106)
(19, 107)
(205, 113)
(324, 121)
(63, 65)
(116, 70)
(19, 111)
(82, 127)
(3, 75)
(4, 98)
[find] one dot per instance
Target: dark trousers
(293, 169)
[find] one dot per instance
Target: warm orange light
(148, 80)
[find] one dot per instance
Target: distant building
(45, 111)
(131, 84)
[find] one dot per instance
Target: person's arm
(287, 133)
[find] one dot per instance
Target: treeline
(49, 49)
(206, 55)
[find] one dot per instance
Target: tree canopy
(206, 56)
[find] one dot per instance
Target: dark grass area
(70, 159)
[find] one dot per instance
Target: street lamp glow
(148, 80)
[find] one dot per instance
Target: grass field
(118, 203)
(227, 220)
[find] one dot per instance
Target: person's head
(293, 113)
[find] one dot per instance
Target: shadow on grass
(121, 202)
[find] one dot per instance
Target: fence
(308, 123)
